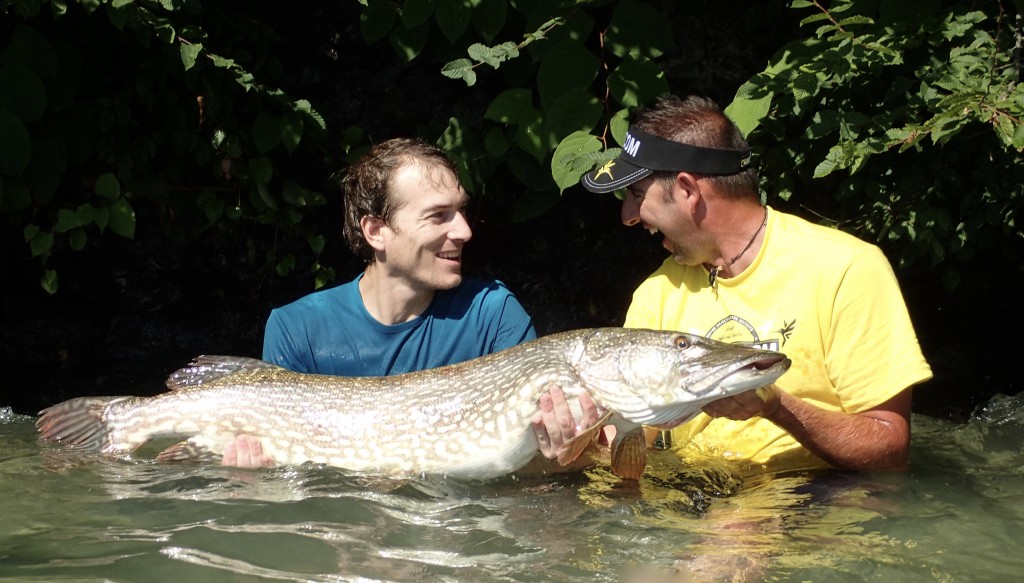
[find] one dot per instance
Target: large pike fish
(468, 420)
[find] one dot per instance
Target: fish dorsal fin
(206, 369)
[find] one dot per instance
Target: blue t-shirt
(331, 332)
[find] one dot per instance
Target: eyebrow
(441, 207)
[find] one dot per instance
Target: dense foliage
(899, 121)
(909, 116)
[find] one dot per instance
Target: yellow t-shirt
(826, 299)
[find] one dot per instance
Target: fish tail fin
(629, 454)
(77, 423)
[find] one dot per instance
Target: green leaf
(317, 243)
(495, 142)
(416, 12)
(834, 160)
(489, 17)
(29, 47)
(565, 66)
(67, 220)
(460, 69)
(377, 19)
(637, 81)
(533, 203)
(189, 53)
(748, 111)
(266, 132)
(452, 18)
(77, 239)
(638, 29)
(16, 196)
(45, 169)
(291, 132)
(463, 147)
(577, 110)
(1018, 137)
(532, 138)
(15, 144)
(265, 196)
(107, 186)
(102, 218)
(211, 206)
(294, 194)
(816, 17)
(306, 108)
(323, 276)
(22, 92)
(261, 170)
(619, 125)
(49, 281)
(122, 218)
(121, 3)
(573, 148)
(408, 43)
(286, 264)
(41, 243)
(512, 106)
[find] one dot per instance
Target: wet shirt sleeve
(279, 346)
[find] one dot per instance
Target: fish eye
(681, 342)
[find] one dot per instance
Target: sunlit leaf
(107, 186)
(122, 218)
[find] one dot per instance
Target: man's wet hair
(367, 184)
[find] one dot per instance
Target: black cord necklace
(713, 272)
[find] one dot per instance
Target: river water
(957, 515)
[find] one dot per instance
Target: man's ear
(373, 231)
(688, 188)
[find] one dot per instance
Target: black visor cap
(644, 153)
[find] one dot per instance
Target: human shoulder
(818, 244)
(342, 297)
(478, 290)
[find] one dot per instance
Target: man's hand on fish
(246, 451)
(762, 402)
(555, 424)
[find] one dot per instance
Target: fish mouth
(745, 375)
(757, 373)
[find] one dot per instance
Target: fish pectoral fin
(629, 454)
(190, 451)
(574, 448)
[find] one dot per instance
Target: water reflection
(952, 517)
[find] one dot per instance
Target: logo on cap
(632, 145)
(606, 169)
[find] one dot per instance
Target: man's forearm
(878, 439)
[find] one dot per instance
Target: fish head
(663, 378)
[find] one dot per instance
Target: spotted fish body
(468, 420)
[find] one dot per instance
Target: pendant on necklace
(713, 275)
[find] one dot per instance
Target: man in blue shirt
(411, 308)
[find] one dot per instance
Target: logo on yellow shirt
(736, 330)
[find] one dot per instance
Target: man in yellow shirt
(743, 272)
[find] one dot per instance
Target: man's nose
(631, 210)
(460, 230)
